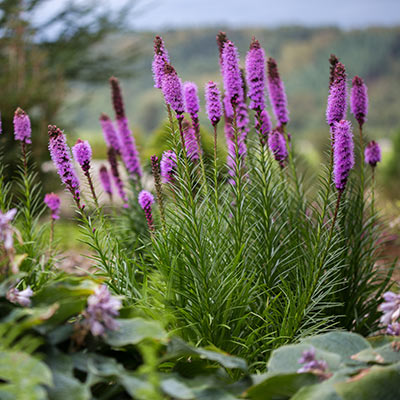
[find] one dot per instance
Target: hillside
(302, 55)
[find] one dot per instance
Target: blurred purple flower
(343, 153)
(6, 229)
(266, 124)
(277, 93)
(146, 200)
(191, 145)
(256, 76)
(390, 308)
(109, 132)
(213, 103)
(277, 144)
(22, 126)
(101, 311)
(191, 98)
(160, 59)
(359, 100)
(105, 180)
(393, 329)
(310, 364)
(22, 297)
(112, 159)
(83, 154)
(372, 153)
(168, 166)
(53, 202)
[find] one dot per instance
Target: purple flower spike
(21, 297)
(191, 145)
(311, 364)
(60, 154)
(231, 73)
(191, 99)
(337, 99)
(22, 126)
(105, 180)
(213, 103)
(160, 59)
(172, 90)
(277, 144)
(242, 119)
(255, 74)
(372, 153)
(101, 311)
(6, 230)
(146, 199)
(109, 132)
(129, 152)
(53, 202)
(112, 159)
(359, 100)
(277, 93)
(343, 153)
(83, 154)
(168, 166)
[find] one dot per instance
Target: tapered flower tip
(172, 89)
(277, 144)
(372, 153)
(333, 60)
(359, 100)
(160, 58)
(22, 126)
(82, 153)
(213, 102)
(221, 40)
(145, 199)
(159, 47)
(343, 153)
(116, 95)
(337, 100)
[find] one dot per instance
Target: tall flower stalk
(156, 170)
(105, 181)
(22, 133)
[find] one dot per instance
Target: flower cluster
(372, 153)
(255, 74)
(109, 132)
(83, 154)
(213, 103)
(146, 200)
(359, 100)
(277, 145)
(168, 166)
(6, 230)
(310, 363)
(232, 76)
(105, 180)
(337, 99)
(160, 59)
(21, 297)
(53, 202)
(172, 90)
(391, 313)
(191, 145)
(102, 308)
(22, 126)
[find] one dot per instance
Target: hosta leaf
(344, 344)
(133, 331)
(381, 355)
(322, 391)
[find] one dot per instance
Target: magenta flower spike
(61, 156)
(146, 200)
(359, 100)
(109, 132)
(231, 73)
(372, 153)
(213, 103)
(173, 91)
(83, 154)
(277, 144)
(277, 93)
(191, 99)
(168, 166)
(242, 120)
(22, 126)
(128, 148)
(160, 59)
(53, 202)
(102, 308)
(256, 75)
(191, 145)
(337, 99)
(343, 153)
(105, 180)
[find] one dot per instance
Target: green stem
(215, 167)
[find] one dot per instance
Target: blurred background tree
(43, 53)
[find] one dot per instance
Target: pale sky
(159, 14)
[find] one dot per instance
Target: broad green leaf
(133, 331)
(378, 341)
(380, 355)
(322, 391)
(176, 389)
(372, 384)
(344, 344)
(281, 386)
(286, 358)
(178, 348)
(137, 387)
(67, 387)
